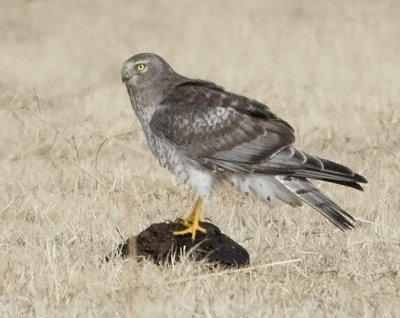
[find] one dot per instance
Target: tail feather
(296, 163)
(311, 195)
(349, 181)
(333, 171)
(349, 184)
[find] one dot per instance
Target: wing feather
(208, 124)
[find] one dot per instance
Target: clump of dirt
(158, 243)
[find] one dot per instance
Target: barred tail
(310, 194)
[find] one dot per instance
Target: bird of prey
(204, 134)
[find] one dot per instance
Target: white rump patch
(266, 188)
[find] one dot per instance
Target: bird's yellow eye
(141, 67)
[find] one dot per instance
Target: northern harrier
(204, 134)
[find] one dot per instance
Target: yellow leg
(192, 221)
(196, 213)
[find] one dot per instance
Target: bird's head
(145, 70)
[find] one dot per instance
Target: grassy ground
(76, 175)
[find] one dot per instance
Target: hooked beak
(127, 71)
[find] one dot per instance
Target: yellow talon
(192, 229)
(192, 221)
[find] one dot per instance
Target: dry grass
(76, 172)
